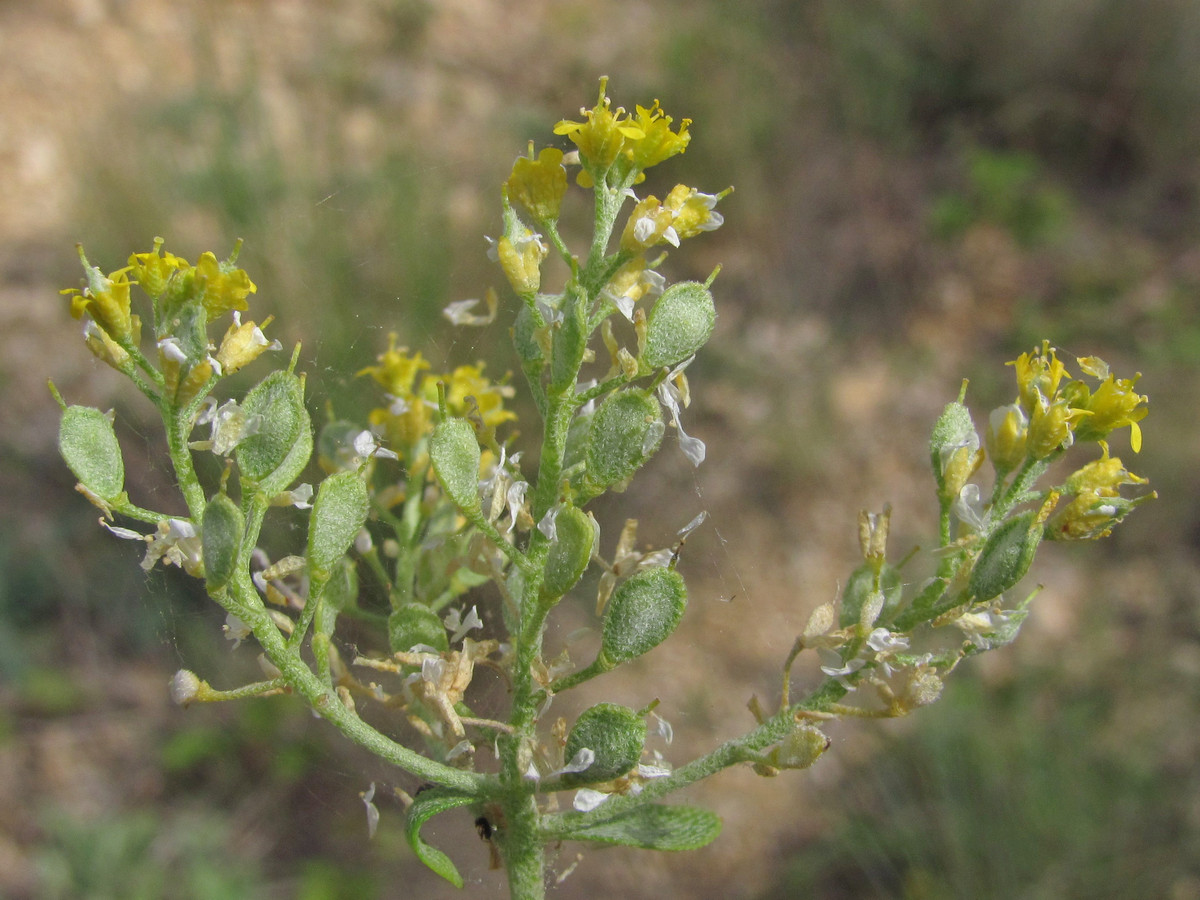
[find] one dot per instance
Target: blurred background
(924, 189)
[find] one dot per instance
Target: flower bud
(186, 687)
(1006, 436)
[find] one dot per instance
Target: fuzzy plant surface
(414, 511)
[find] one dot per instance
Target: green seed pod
(680, 323)
(414, 624)
(643, 611)
(626, 431)
(801, 748)
(222, 528)
(860, 587)
(615, 734)
(455, 455)
(275, 456)
(569, 554)
(88, 444)
(337, 515)
(1005, 557)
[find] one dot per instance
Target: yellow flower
(539, 184)
(106, 349)
(521, 259)
(224, 287)
(599, 138)
(468, 391)
(1038, 374)
(1112, 405)
(693, 212)
(153, 270)
(1050, 427)
(1007, 432)
(105, 299)
(649, 139)
(243, 343)
(649, 224)
(397, 370)
(1097, 505)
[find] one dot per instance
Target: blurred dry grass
(923, 189)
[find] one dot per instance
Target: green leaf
(338, 513)
(643, 611)
(455, 454)
(652, 827)
(88, 444)
(275, 456)
(222, 528)
(427, 804)
(680, 323)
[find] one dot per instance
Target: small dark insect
(484, 827)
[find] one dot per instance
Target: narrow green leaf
(652, 827)
(425, 806)
(88, 444)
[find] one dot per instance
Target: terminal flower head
(397, 370)
(600, 137)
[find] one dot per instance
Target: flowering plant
(434, 498)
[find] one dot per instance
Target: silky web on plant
(412, 512)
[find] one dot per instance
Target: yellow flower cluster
(1061, 413)
(172, 283)
(413, 393)
(615, 149)
(1055, 410)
